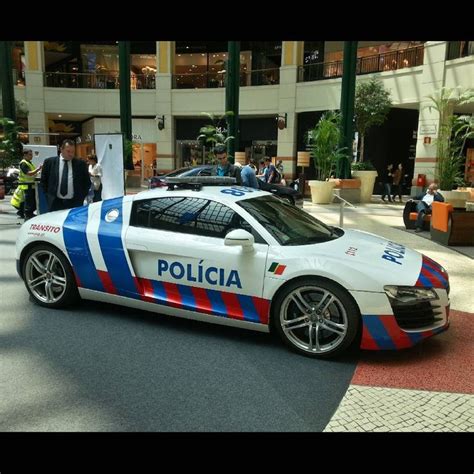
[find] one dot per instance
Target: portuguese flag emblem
(276, 268)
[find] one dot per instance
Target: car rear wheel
(49, 277)
(316, 318)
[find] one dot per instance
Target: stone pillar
(34, 90)
(433, 78)
(292, 57)
(165, 52)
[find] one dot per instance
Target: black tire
(60, 278)
(333, 327)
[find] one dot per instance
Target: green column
(6, 80)
(125, 100)
(347, 107)
(232, 95)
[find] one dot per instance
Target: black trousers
(98, 194)
(30, 202)
(57, 204)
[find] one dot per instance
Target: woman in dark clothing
(397, 186)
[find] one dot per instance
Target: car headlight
(409, 294)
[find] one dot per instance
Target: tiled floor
(387, 409)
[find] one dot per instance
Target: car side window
(190, 216)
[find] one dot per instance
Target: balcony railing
(391, 61)
(209, 80)
(459, 49)
(108, 80)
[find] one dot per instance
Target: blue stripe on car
(378, 332)
(77, 247)
(218, 306)
(188, 301)
(249, 310)
(110, 240)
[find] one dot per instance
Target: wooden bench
(451, 226)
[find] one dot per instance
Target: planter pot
(367, 181)
(456, 198)
(321, 191)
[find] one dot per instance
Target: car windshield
(288, 224)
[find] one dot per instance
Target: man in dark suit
(65, 179)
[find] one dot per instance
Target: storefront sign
(428, 129)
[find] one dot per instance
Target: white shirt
(428, 198)
(70, 185)
(95, 172)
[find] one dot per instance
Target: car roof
(220, 193)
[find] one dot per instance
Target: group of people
(247, 175)
(66, 181)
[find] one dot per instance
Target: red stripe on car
(203, 303)
(263, 308)
(145, 289)
(234, 309)
(109, 286)
(399, 338)
(367, 341)
(173, 296)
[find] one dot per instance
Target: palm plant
(212, 135)
(323, 145)
(454, 130)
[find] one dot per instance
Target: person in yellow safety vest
(26, 182)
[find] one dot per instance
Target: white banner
(41, 152)
(109, 150)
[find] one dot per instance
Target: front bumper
(400, 331)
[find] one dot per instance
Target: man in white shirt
(424, 206)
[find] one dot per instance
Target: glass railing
(210, 80)
(109, 80)
(459, 49)
(390, 61)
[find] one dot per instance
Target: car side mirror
(240, 237)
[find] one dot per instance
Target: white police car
(241, 257)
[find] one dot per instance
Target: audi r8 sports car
(240, 257)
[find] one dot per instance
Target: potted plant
(323, 145)
(366, 172)
(454, 131)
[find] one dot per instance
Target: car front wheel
(316, 318)
(49, 277)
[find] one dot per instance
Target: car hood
(359, 261)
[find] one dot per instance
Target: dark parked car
(10, 178)
(289, 194)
